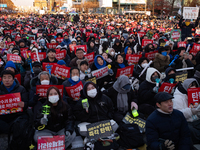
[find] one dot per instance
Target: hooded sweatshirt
(180, 100)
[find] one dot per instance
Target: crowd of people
(108, 66)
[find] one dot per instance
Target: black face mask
(173, 76)
(37, 70)
(154, 78)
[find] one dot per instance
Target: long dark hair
(64, 107)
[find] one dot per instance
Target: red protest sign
(150, 55)
(60, 55)
(166, 87)
(24, 54)
(110, 28)
(59, 40)
(39, 34)
(74, 91)
(41, 56)
(196, 47)
(11, 43)
(181, 44)
(100, 73)
(90, 57)
(51, 142)
(162, 30)
(156, 36)
(17, 38)
(60, 71)
(13, 57)
(46, 65)
(72, 47)
(87, 34)
(24, 49)
(42, 89)
(193, 52)
(141, 34)
(193, 97)
(146, 41)
(8, 103)
(133, 59)
(127, 71)
(7, 31)
(52, 45)
(83, 47)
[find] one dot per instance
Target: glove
(44, 121)
(169, 145)
(155, 89)
(36, 97)
(110, 72)
(195, 111)
(67, 135)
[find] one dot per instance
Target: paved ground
(3, 142)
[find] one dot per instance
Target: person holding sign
(66, 41)
(123, 97)
(10, 85)
(192, 115)
(170, 75)
(59, 120)
(51, 57)
(167, 128)
(148, 90)
(79, 56)
(120, 62)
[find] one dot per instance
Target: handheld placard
(85, 104)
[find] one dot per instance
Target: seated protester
(100, 106)
(63, 63)
(149, 48)
(147, 91)
(67, 59)
(142, 63)
(22, 44)
(66, 41)
(111, 54)
(117, 46)
(10, 85)
(97, 42)
(2, 64)
(128, 50)
(170, 75)
(85, 71)
(197, 73)
(192, 115)
(119, 63)
(59, 121)
(79, 56)
(70, 82)
(166, 128)
(51, 57)
(169, 52)
(192, 59)
(37, 68)
(43, 78)
(11, 66)
(132, 43)
(122, 97)
(92, 48)
(161, 60)
(100, 63)
(105, 56)
(183, 61)
(79, 40)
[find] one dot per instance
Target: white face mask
(45, 82)
(112, 53)
(53, 99)
(92, 93)
(144, 65)
(16, 53)
(75, 78)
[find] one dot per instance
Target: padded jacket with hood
(146, 93)
(161, 61)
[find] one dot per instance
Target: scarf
(122, 96)
(10, 88)
(73, 82)
(122, 65)
(97, 64)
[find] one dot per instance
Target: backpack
(21, 133)
(130, 136)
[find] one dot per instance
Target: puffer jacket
(161, 61)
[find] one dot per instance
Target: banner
(151, 55)
(175, 35)
(14, 58)
(41, 55)
(196, 47)
(100, 73)
(100, 129)
(162, 30)
(141, 34)
(193, 97)
(11, 43)
(166, 87)
(51, 142)
(181, 76)
(90, 57)
(61, 55)
(127, 71)
(24, 54)
(132, 59)
(190, 12)
(83, 47)
(156, 36)
(23, 49)
(72, 47)
(59, 40)
(60, 71)
(8, 103)
(193, 52)
(146, 41)
(52, 45)
(42, 89)
(128, 119)
(110, 28)
(74, 91)
(181, 44)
